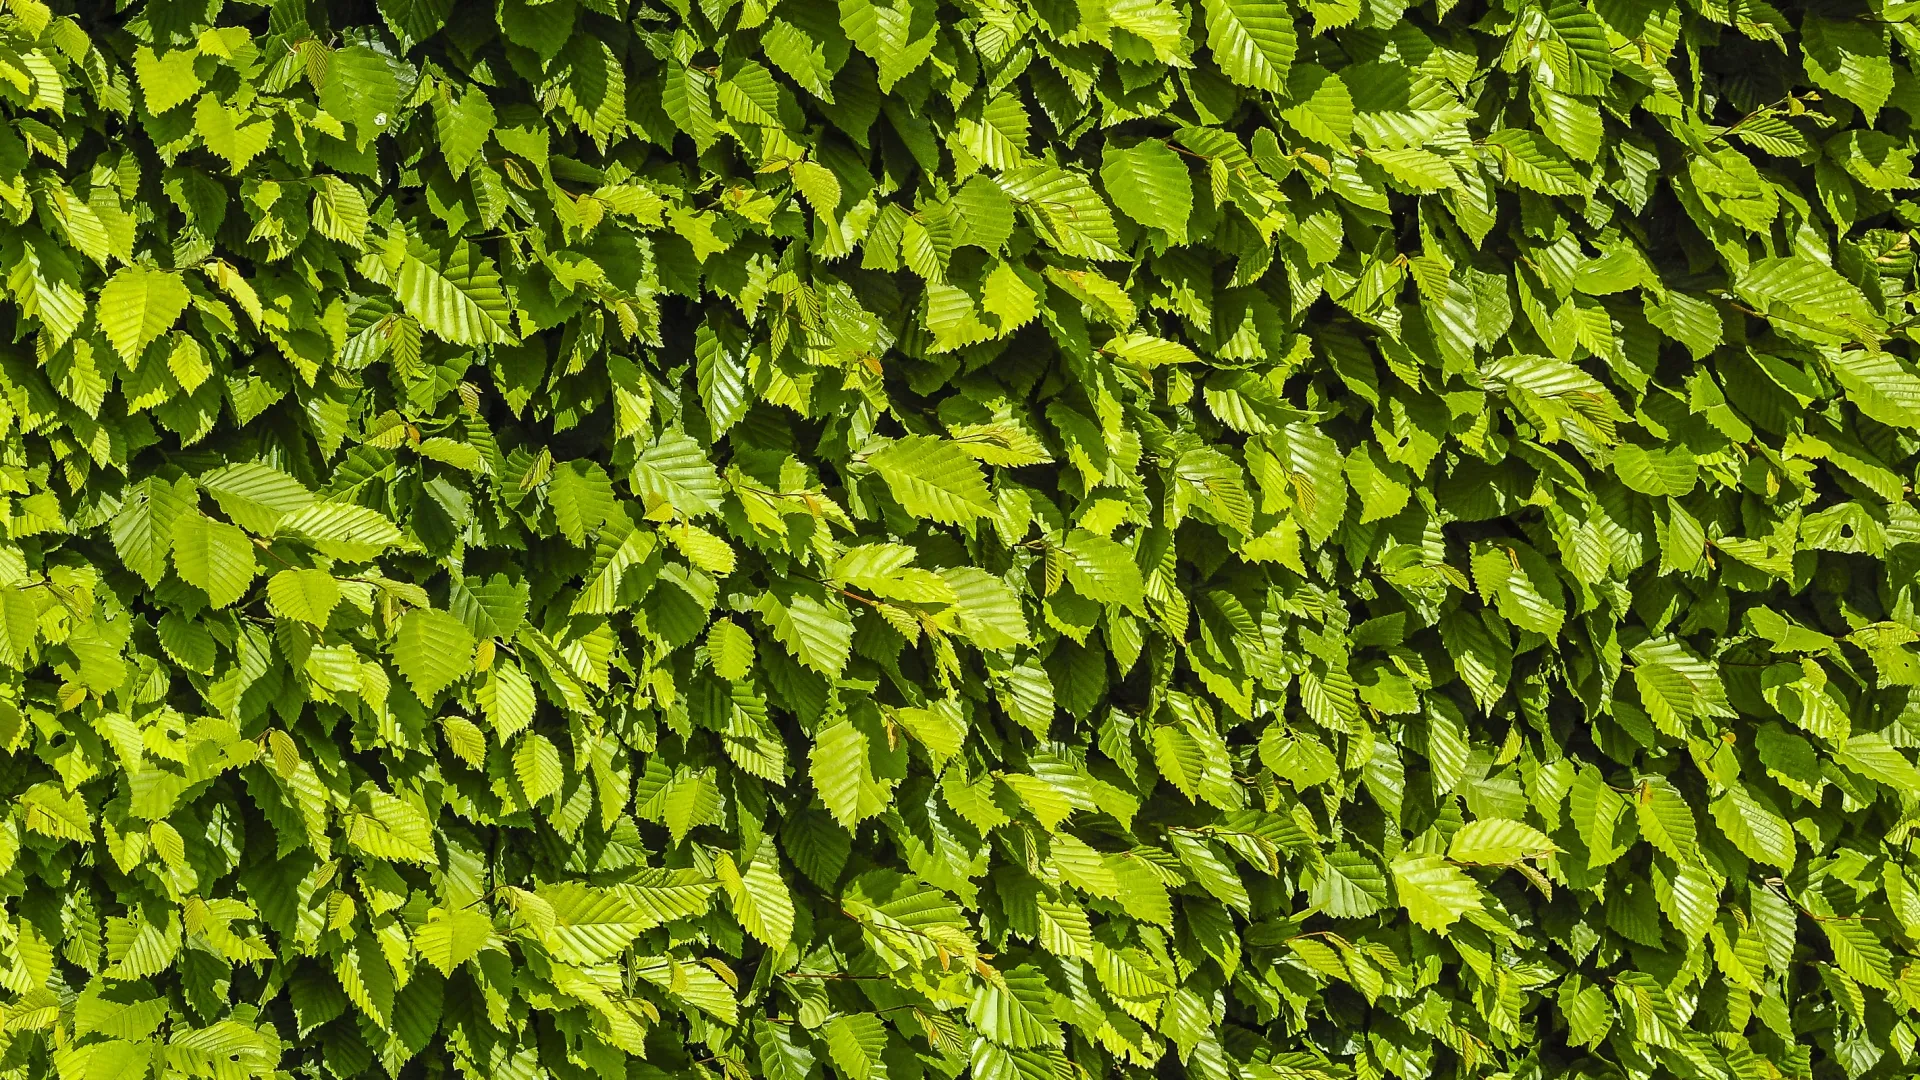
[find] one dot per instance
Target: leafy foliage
(857, 540)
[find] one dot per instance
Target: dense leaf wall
(1041, 540)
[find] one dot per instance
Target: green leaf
(1663, 471)
(1013, 1009)
(1750, 820)
(1809, 299)
(213, 556)
(386, 827)
(143, 527)
(989, 611)
(1323, 109)
(342, 530)
(933, 479)
(1103, 570)
(590, 924)
(582, 498)
(451, 938)
(843, 775)
(1859, 953)
(364, 87)
(1879, 385)
(1872, 755)
(758, 895)
(339, 210)
(814, 627)
(433, 651)
(459, 299)
(137, 305)
(1434, 893)
(536, 764)
(1497, 841)
(677, 472)
(1351, 886)
(1849, 58)
(414, 21)
(729, 649)
(1253, 41)
(167, 80)
(463, 124)
(1575, 51)
(232, 134)
(898, 36)
(1531, 162)
(256, 496)
(1149, 183)
(855, 1042)
(306, 595)
(1065, 209)
(1666, 820)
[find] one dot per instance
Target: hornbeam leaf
(254, 495)
(1253, 41)
(536, 764)
(1434, 893)
(758, 895)
(898, 35)
(342, 530)
(813, 626)
(386, 827)
(843, 775)
(934, 479)
(460, 299)
(137, 305)
(1755, 826)
(463, 125)
(143, 528)
(307, 595)
(855, 1042)
(231, 133)
(730, 650)
(1013, 1009)
(1879, 385)
(1493, 841)
(591, 924)
(339, 210)
(1150, 184)
(213, 556)
(1665, 819)
(989, 611)
(1065, 208)
(433, 650)
(167, 80)
(451, 938)
(1859, 953)
(414, 21)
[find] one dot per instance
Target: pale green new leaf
(1496, 841)
(451, 938)
(137, 305)
(1434, 893)
(306, 595)
(213, 556)
(433, 651)
(934, 479)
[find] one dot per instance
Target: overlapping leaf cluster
(892, 541)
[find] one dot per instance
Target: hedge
(1016, 539)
